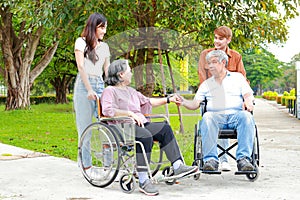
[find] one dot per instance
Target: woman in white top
(92, 58)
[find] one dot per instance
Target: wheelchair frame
(224, 134)
(100, 139)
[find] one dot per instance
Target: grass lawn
(50, 129)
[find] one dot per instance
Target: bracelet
(168, 99)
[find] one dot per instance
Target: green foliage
(293, 92)
(262, 67)
(37, 129)
(270, 95)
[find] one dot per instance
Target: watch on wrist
(168, 99)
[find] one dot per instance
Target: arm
(190, 104)
(80, 64)
(106, 66)
(248, 102)
(241, 68)
(107, 61)
(201, 67)
(161, 101)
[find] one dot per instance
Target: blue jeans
(210, 125)
(85, 110)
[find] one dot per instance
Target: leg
(145, 137)
(210, 126)
(209, 131)
(244, 123)
(84, 111)
(163, 133)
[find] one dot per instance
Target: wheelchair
(110, 148)
(224, 134)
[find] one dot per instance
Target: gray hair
(114, 70)
(221, 55)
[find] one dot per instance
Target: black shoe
(211, 165)
(244, 164)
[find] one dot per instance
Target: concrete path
(34, 176)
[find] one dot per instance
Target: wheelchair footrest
(245, 172)
(211, 172)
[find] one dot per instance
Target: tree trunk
(61, 86)
(18, 52)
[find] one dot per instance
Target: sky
(292, 45)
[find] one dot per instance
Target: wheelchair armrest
(151, 116)
(120, 118)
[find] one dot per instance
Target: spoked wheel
(197, 152)
(127, 183)
(167, 172)
(99, 154)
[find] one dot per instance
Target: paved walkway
(40, 177)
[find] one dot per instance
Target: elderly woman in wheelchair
(229, 106)
(118, 99)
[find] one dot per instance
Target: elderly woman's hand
(136, 118)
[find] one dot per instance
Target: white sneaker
(94, 174)
(225, 166)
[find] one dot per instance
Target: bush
(270, 95)
(50, 99)
(278, 99)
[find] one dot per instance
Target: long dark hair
(95, 20)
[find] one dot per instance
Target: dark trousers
(157, 131)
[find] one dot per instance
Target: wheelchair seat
(227, 134)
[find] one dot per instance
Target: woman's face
(220, 42)
(126, 76)
(100, 31)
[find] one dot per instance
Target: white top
(102, 51)
(226, 98)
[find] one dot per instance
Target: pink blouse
(125, 99)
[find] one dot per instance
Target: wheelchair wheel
(253, 177)
(256, 147)
(99, 151)
(127, 183)
(198, 161)
(167, 172)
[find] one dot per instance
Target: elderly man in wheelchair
(229, 106)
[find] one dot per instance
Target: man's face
(220, 42)
(215, 67)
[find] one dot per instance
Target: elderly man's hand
(248, 105)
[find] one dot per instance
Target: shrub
(278, 99)
(270, 95)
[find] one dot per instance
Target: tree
(30, 34)
(262, 68)
(252, 22)
(19, 42)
